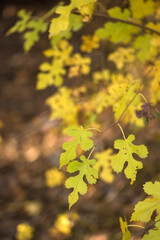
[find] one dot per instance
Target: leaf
(103, 75)
(82, 137)
(75, 23)
(54, 177)
(121, 92)
(63, 107)
(20, 25)
(145, 50)
(117, 32)
(85, 168)
(52, 73)
(154, 72)
(141, 8)
(124, 229)
(103, 165)
(89, 43)
(126, 150)
(78, 65)
(153, 233)
(61, 23)
(122, 56)
(144, 209)
(35, 28)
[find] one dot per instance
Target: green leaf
(22, 24)
(85, 168)
(144, 209)
(82, 137)
(141, 8)
(32, 36)
(61, 23)
(103, 165)
(124, 229)
(145, 49)
(154, 234)
(125, 154)
(117, 32)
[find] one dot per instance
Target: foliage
(153, 234)
(144, 209)
(134, 32)
(126, 150)
(24, 231)
(124, 229)
(85, 168)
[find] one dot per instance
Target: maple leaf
(141, 8)
(81, 137)
(61, 23)
(122, 56)
(153, 233)
(103, 165)
(117, 32)
(145, 50)
(144, 209)
(63, 107)
(125, 154)
(126, 233)
(85, 168)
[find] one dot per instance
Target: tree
(134, 32)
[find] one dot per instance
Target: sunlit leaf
(85, 168)
(126, 150)
(144, 209)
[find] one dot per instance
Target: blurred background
(33, 199)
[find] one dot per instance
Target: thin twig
(117, 122)
(126, 22)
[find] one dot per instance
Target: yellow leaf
(122, 56)
(103, 165)
(89, 43)
(54, 177)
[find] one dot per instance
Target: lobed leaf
(144, 209)
(85, 168)
(141, 8)
(82, 137)
(126, 150)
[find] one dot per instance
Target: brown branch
(126, 22)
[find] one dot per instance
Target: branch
(126, 22)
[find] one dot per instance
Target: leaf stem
(92, 150)
(98, 130)
(134, 225)
(121, 131)
(143, 97)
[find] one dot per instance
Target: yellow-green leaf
(144, 209)
(126, 150)
(85, 168)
